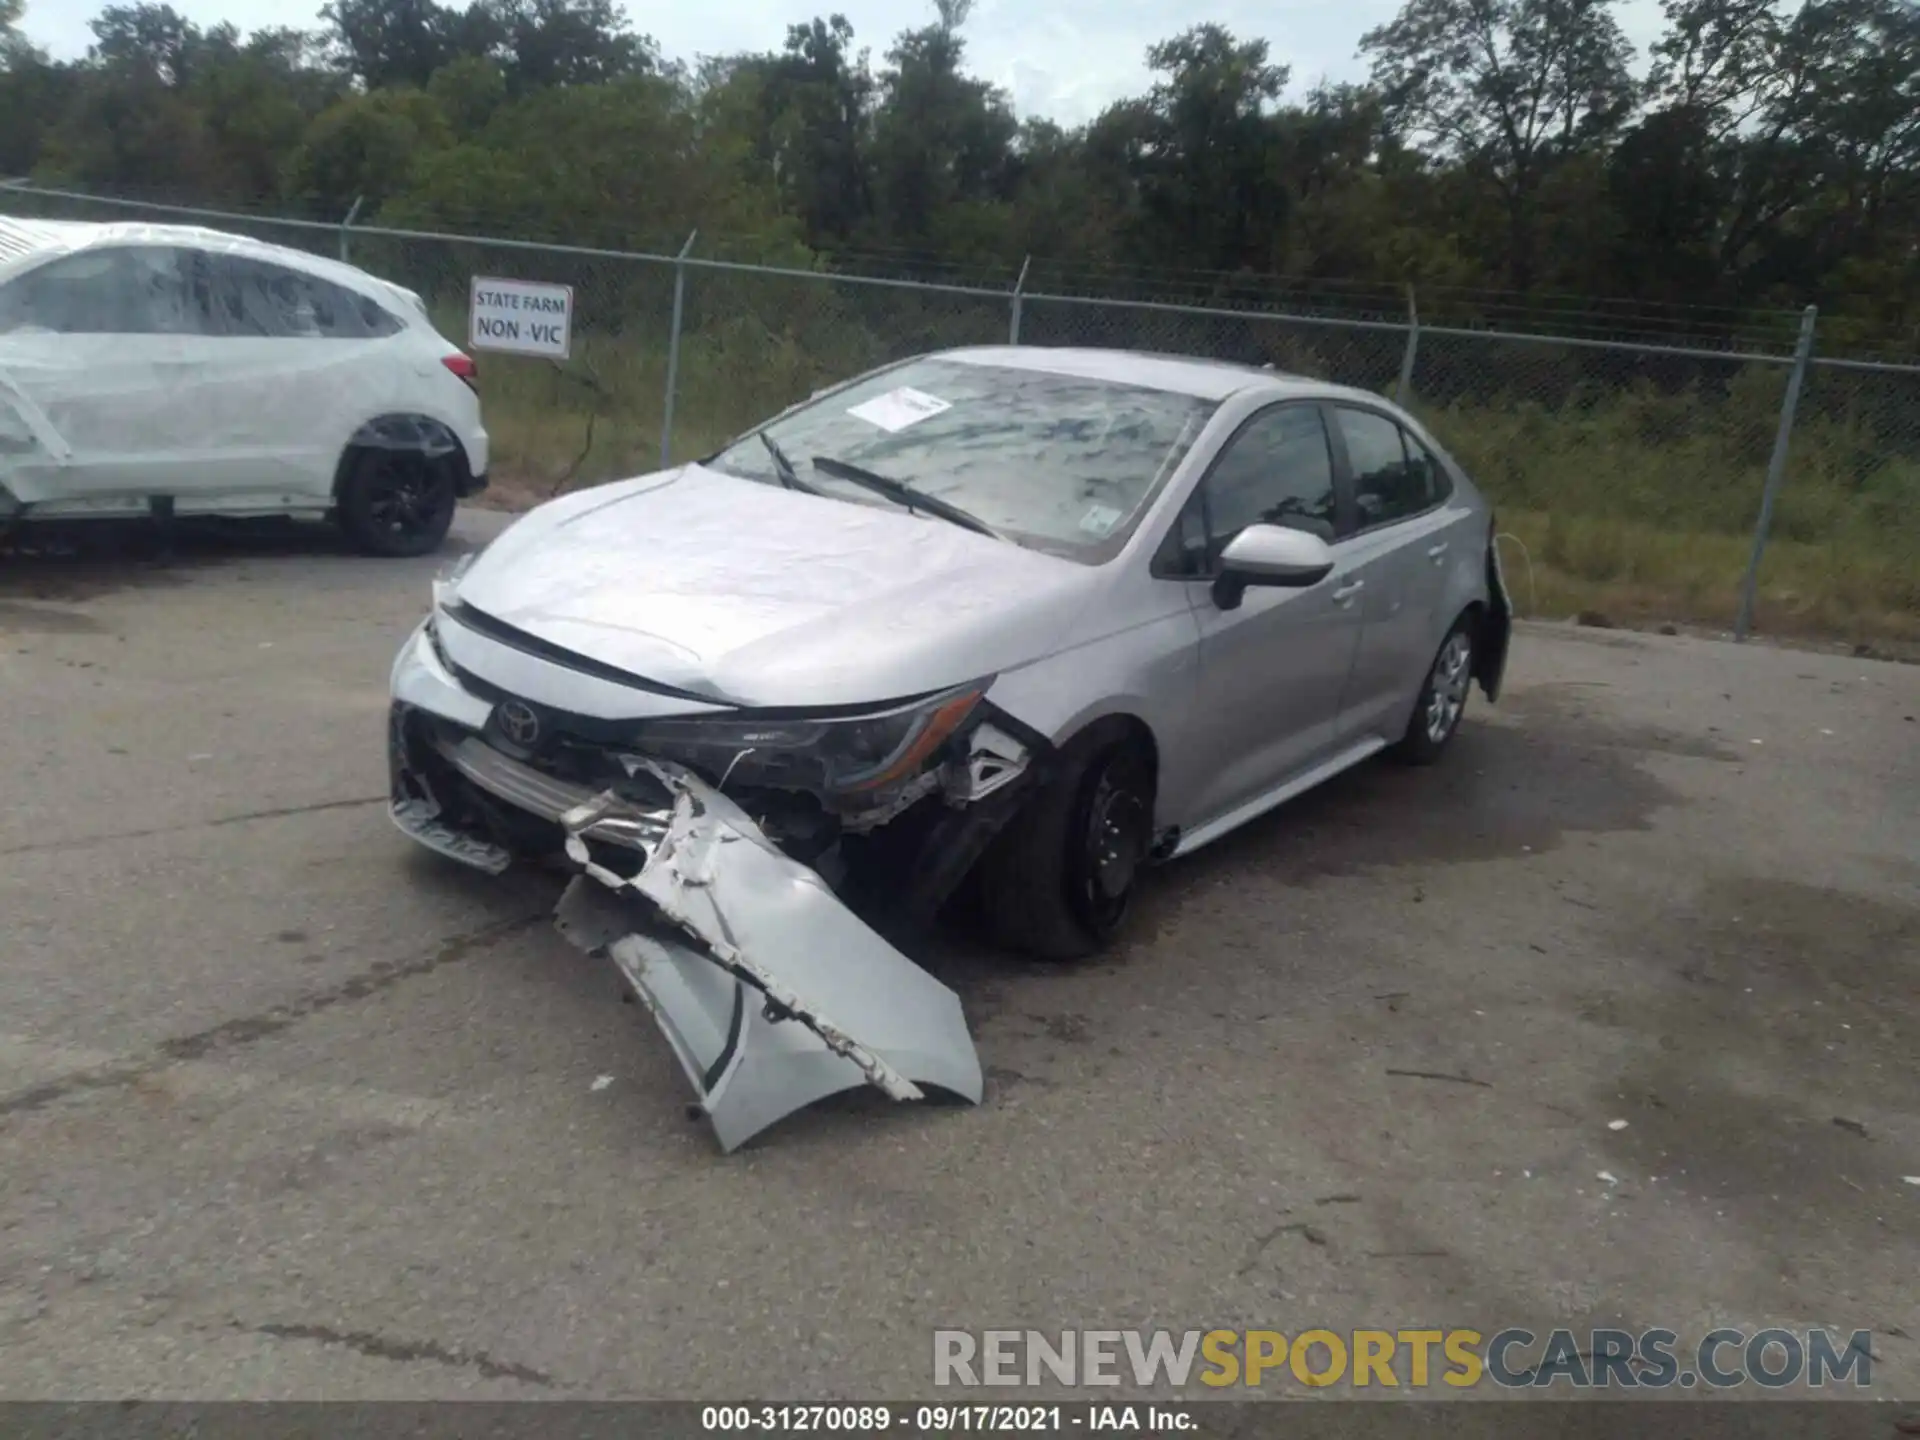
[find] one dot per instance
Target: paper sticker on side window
(897, 409)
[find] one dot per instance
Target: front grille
(585, 732)
(537, 790)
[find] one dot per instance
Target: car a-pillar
(1058, 882)
(398, 483)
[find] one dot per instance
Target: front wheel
(1443, 697)
(396, 502)
(1059, 881)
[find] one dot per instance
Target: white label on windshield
(897, 409)
(1099, 519)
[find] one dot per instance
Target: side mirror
(1270, 555)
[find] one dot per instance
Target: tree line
(1764, 154)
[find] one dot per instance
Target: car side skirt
(1252, 809)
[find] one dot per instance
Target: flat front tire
(396, 502)
(1059, 881)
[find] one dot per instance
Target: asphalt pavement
(290, 1109)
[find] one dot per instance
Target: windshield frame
(1091, 553)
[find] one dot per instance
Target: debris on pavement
(1441, 1075)
(1298, 1227)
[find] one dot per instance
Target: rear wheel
(396, 502)
(1443, 697)
(1059, 881)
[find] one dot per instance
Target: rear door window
(260, 300)
(1430, 474)
(1388, 483)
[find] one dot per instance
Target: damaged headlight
(852, 754)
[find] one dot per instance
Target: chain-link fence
(1687, 467)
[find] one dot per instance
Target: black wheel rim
(405, 497)
(1111, 842)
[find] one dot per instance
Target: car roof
(21, 238)
(1199, 376)
(28, 239)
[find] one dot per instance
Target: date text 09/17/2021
(942, 1419)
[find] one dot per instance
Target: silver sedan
(1019, 620)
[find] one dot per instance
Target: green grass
(1642, 507)
(1636, 504)
(1637, 575)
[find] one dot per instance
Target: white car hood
(753, 595)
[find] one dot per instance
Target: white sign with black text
(520, 317)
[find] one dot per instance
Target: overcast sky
(1064, 59)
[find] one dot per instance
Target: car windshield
(1060, 463)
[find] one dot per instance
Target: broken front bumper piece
(771, 992)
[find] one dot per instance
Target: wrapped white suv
(168, 370)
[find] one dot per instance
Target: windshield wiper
(906, 495)
(783, 467)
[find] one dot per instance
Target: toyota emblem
(518, 722)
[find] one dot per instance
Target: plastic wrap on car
(92, 410)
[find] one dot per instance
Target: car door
(297, 365)
(1273, 668)
(1397, 549)
(94, 343)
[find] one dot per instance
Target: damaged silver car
(1014, 618)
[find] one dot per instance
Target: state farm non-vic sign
(520, 317)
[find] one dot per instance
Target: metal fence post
(1776, 471)
(673, 347)
(1404, 390)
(346, 256)
(1019, 295)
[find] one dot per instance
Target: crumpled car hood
(758, 596)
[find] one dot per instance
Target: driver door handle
(1434, 552)
(1347, 592)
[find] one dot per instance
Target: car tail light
(463, 366)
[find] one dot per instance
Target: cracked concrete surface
(288, 1109)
